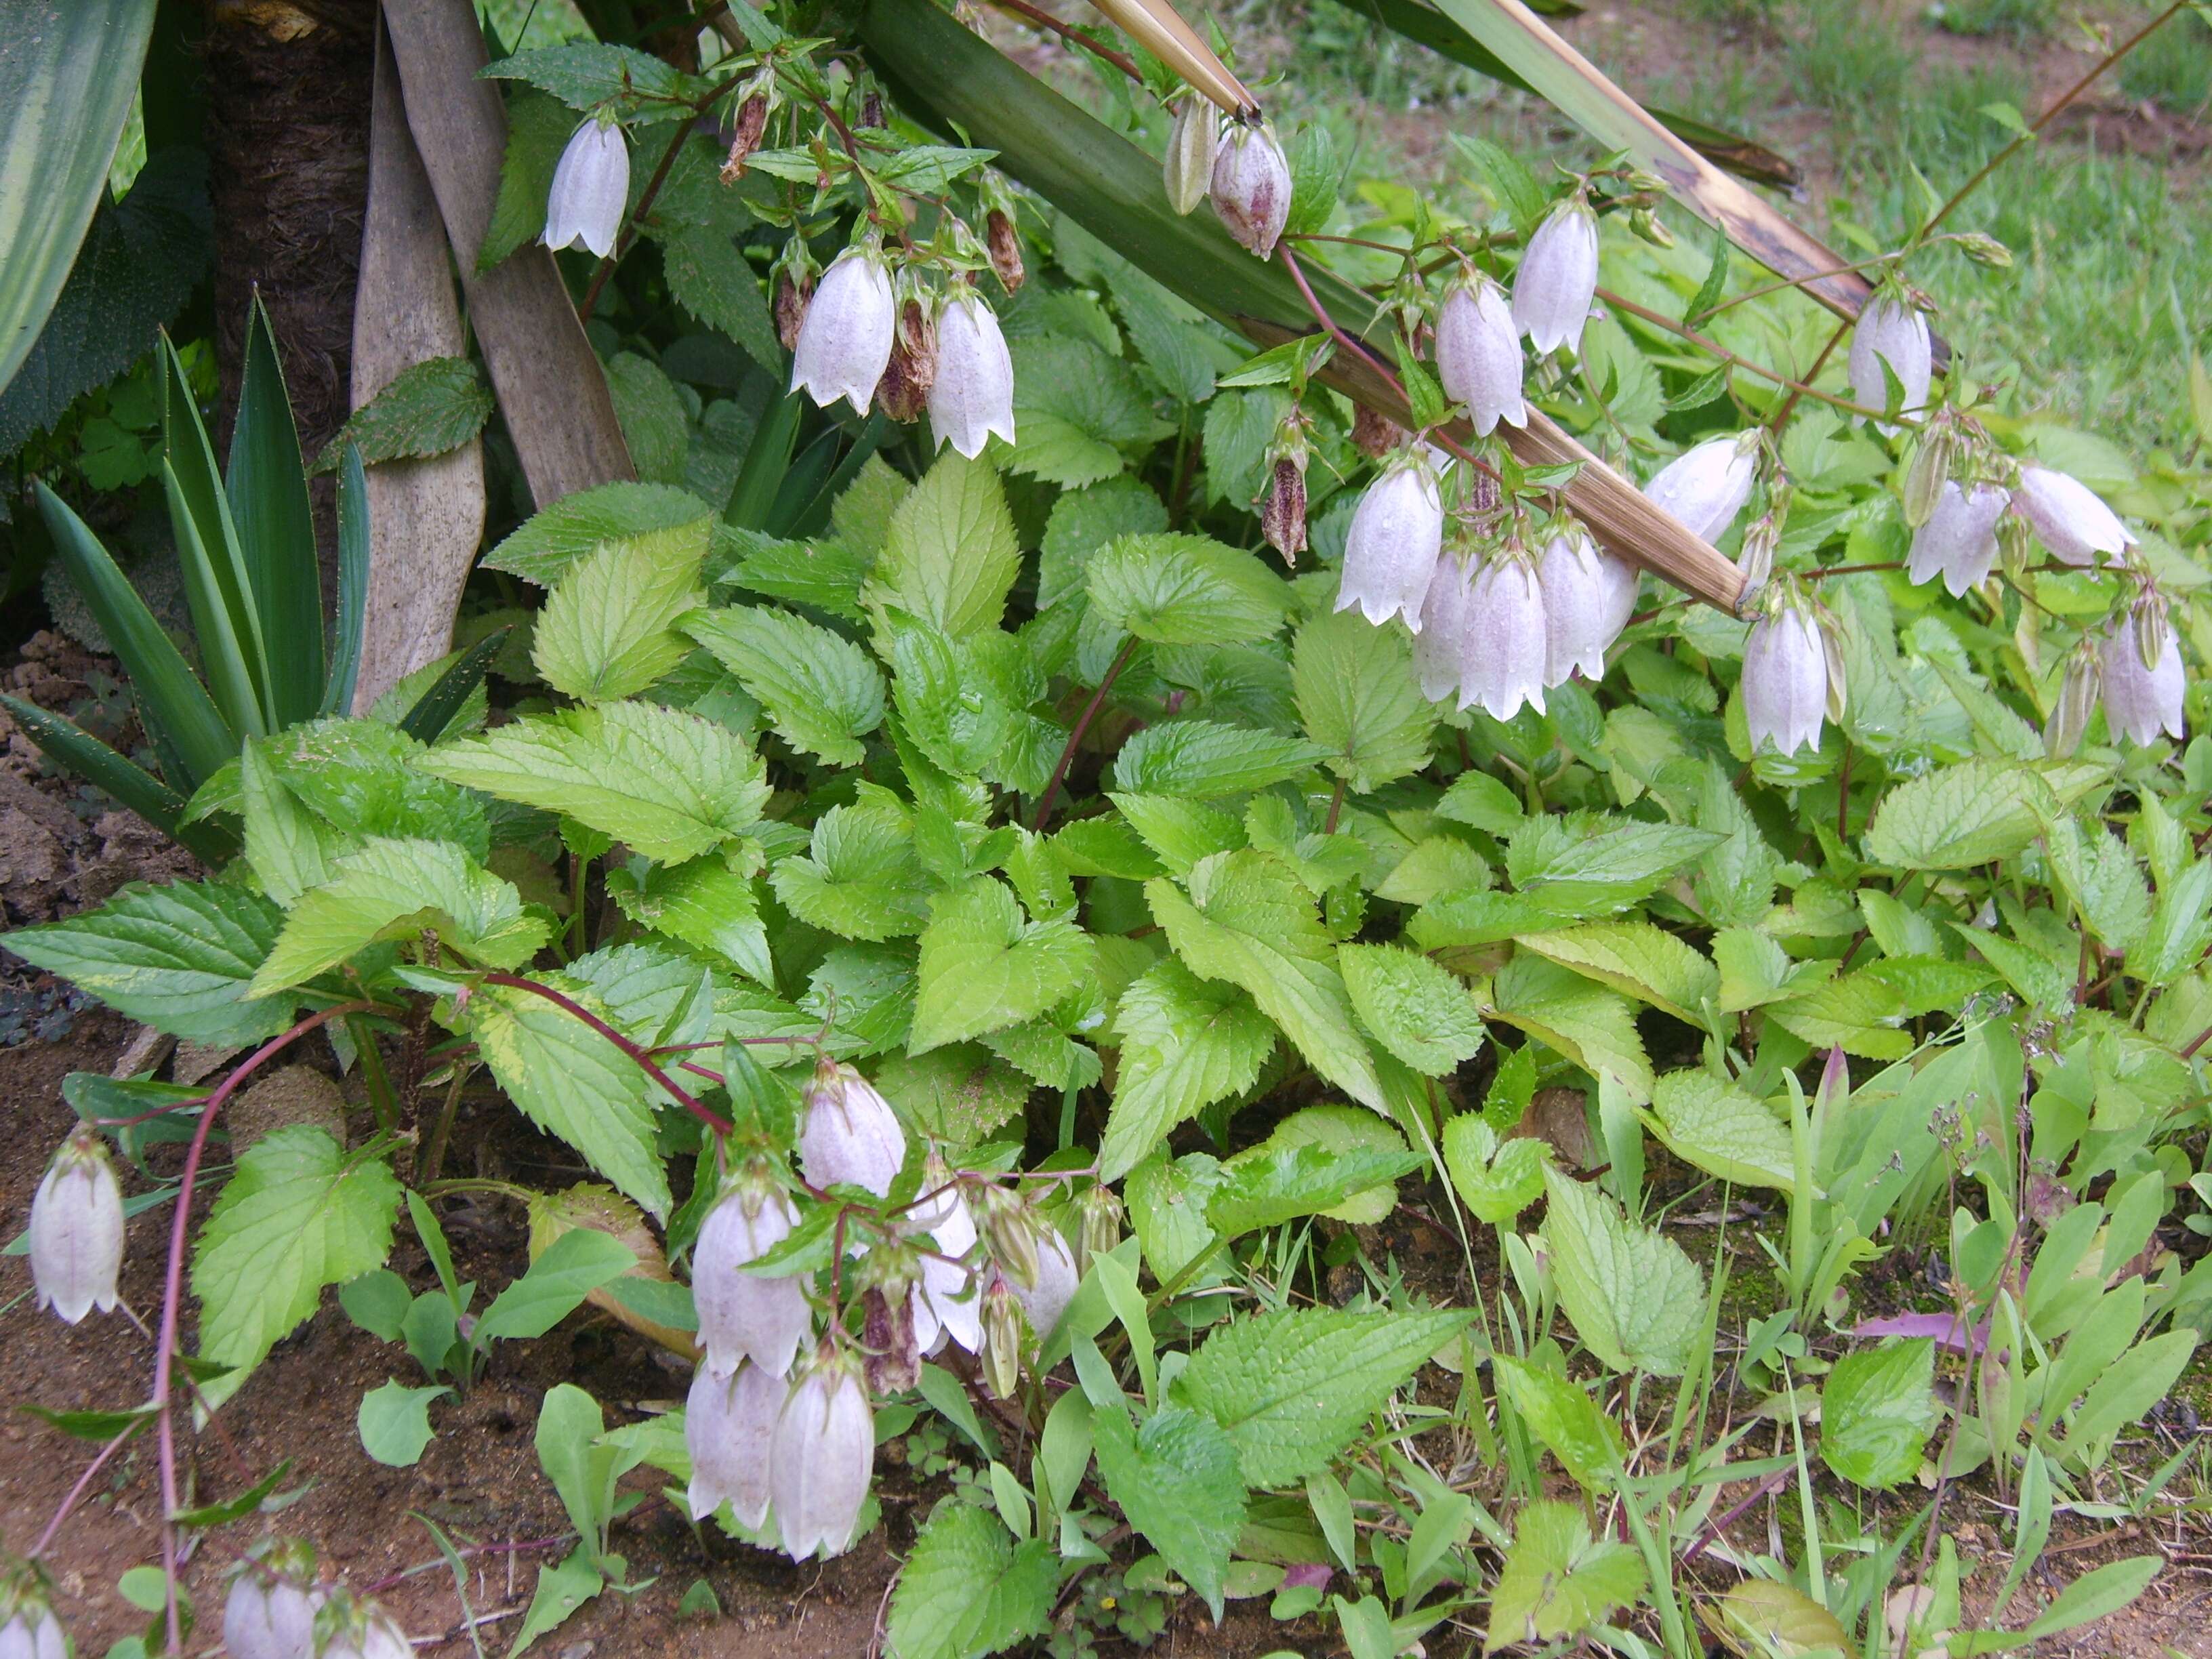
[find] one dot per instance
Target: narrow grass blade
(768, 457)
(175, 703)
(435, 709)
(1112, 189)
(266, 487)
(352, 585)
(66, 82)
(1419, 20)
(77, 751)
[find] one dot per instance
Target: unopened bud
(1102, 1226)
(1003, 1325)
(2077, 701)
(1011, 1231)
(903, 392)
(1756, 557)
(1188, 169)
(1984, 250)
(1649, 226)
(1251, 186)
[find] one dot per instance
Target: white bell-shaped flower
(729, 1425)
(821, 1459)
(1557, 278)
(2140, 702)
(77, 1231)
(1479, 353)
(1391, 552)
(590, 190)
(850, 1135)
(1785, 681)
(1436, 648)
(1578, 607)
(1960, 540)
(2067, 517)
(269, 1615)
(362, 1630)
(1894, 332)
(32, 1632)
(947, 1303)
(1251, 186)
(845, 342)
(1623, 582)
(1505, 645)
(973, 395)
(1047, 1299)
(1187, 169)
(1706, 485)
(746, 1315)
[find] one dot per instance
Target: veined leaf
(1637, 1300)
(1358, 698)
(968, 1588)
(1186, 1042)
(984, 968)
(607, 630)
(821, 692)
(1185, 590)
(1558, 1580)
(1176, 1479)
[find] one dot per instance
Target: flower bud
(1188, 169)
(1102, 1226)
(1650, 227)
(1479, 353)
(845, 342)
(1504, 644)
(891, 1342)
(746, 1314)
(354, 1627)
(1557, 278)
(1251, 186)
(1575, 592)
(1785, 688)
(754, 104)
(792, 281)
(76, 1229)
(729, 1424)
(973, 395)
(1959, 539)
(2141, 700)
(2077, 701)
(1930, 471)
(851, 1135)
(2067, 517)
(1706, 486)
(590, 190)
(821, 1458)
(1754, 560)
(1891, 329)
(1390, 552)
(903, 392)
(1438, 648)
(1375, 434)
(1053, 1288)
(1002, 1338)
(1984, 250)
(270, 1611)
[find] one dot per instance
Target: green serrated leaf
(1208, 761)
(1176, 1480)
(983, 968)
(1358, 699)
(1637, 1300)
(608, 630)
(1417, 1009)
(1877, 1409)
(1723, 1131)
(821, 692)
(428, 408)
(555, 538)
(1558, 1581)
(1186, 1043)
(968, 1589)
(952, 555)
(1185, 590)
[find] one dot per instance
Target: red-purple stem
(712, 1120)
(1082, 724)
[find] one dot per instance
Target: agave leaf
(75, 750)
(181, 718)
(1159, 28)
(1419, 20)
(352, 585)
(1112, 189)
(267, 489)
(66, 82)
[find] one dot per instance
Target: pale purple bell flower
(590, 190)
(1505, 645)
(1478, 351)
(746, 1314)
(821, 1459)
(1577, 605)
(270, 1613)
(1047, 1299)
(32, 1632)
(845, 341)
(1707, 485)
(729, 1424)
(973, 395)
(1623, 583)
(1391, 552)
(2067, 517)
(946, 1302)
(77, 1231)
(1960, 540)
(1436, 648)
(1251, 186)
(1894, 332)
(1785, 681)
(850, 1135)
(2140, 701)
(1557, 278)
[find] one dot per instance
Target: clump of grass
(2173, 68)
(2021, 21)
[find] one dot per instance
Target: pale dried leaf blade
(1159, 28)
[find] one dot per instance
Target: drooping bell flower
(1187, 170)
(1960, 540)
(270, 1611)
(946, 1301)
(1706, 485)
(354, 1627)
(1557, 278)
(1785, 689)
(2143, 699)
(2067, 517)
(1505, 645)
(729, 1424)
(850, 1134)
(1436, 648)
(1891, 329)
(821, 1458)
(973, 395)
(590, 190)
(1577, 607)
(1251, 186)
(1623, 582)
(845, 342)
(28, 1629)
(76, 1229)
(746, 1314)
(1391, 552)
(1479, 353)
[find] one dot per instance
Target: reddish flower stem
(569, 1005)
